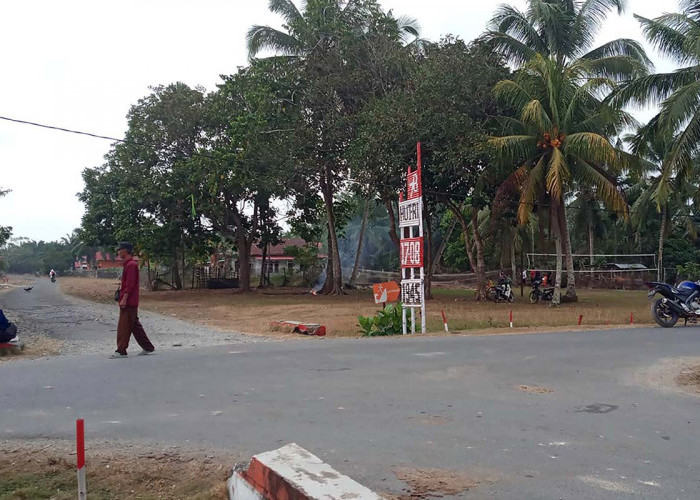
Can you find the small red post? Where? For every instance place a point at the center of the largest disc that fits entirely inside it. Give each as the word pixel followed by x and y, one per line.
pixel 444 320
pixel 631 318
pixel 80 452
pixel 580 318
pixel 511 318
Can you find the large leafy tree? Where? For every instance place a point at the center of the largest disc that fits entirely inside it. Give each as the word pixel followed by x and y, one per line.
pixel 446 104
pixel 561 135
pixel 343 53
pixel 143 192
pixel 676 36
pixel 247 157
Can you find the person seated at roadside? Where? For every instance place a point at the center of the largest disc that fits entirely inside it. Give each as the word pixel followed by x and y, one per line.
pixel 8 331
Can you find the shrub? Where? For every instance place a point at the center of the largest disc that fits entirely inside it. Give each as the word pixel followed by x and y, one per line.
pixel 387 321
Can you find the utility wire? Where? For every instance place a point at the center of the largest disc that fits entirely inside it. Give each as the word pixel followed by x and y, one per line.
pixel 304 174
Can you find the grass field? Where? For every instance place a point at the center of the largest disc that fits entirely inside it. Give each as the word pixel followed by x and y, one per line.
pixel 253 312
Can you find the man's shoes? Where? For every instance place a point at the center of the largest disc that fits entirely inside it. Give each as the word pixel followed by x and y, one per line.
pixel 118 355
pixel 144 352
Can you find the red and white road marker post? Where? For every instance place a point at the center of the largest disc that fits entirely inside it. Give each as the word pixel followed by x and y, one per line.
pixel 511 318
pixel 631 318
pixel 80 452
pixel 580 318
pixel 444 320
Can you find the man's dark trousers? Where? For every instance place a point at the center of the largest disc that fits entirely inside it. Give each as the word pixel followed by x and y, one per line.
pixel 129 323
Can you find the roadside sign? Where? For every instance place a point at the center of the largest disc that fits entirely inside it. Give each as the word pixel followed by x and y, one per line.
pixel 413 185
pixel 388 291
pixel 412 292
pixel 412 252
pixel 411 247
pixel 410 212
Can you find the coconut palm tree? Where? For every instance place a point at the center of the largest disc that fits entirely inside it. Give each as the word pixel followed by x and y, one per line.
pixel 559 138
pixel 562 130
pixel 676 36
pixel 662 192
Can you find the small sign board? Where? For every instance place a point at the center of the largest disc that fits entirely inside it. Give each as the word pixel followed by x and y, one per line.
pixel 413 184
pixel 388 291
pixel 412 252
pixel 412 292
pixel 410 212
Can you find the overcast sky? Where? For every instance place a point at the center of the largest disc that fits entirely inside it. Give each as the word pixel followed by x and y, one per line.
pixel 81 64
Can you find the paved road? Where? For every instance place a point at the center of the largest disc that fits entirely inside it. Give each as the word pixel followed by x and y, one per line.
pixel 367 406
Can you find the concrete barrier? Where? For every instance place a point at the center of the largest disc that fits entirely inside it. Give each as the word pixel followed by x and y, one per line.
pixel 293 473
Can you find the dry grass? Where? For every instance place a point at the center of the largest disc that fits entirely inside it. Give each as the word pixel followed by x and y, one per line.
pixel 28 472
pixel 253 312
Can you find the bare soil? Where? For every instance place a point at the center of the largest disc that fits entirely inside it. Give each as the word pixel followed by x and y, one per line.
pixel 427 483
pixel 689 379
pixel 253 312
pixel 671 374
pixel 40 469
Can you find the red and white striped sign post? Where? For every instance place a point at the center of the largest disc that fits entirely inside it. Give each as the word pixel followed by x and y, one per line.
pixel 80 452
pixel 411 227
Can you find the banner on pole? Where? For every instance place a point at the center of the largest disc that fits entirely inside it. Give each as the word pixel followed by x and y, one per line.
pixel 410 213
pixel 412 252
pixel 412 292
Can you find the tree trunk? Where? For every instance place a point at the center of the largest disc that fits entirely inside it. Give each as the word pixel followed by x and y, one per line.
pixel 468 247
pixel 427 261
pixel 334 279
pixel 566 243
pixel 512 259
pixel 177 284
pixel 263 263
pixel 443 245
pixel 393 233
pixel 361 239
pixel 590 247
pixel 243 261
pixel 662 235
pixel 556 298
pixel 480 263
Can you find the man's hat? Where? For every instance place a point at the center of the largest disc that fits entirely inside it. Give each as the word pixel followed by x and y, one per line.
pixel 126 246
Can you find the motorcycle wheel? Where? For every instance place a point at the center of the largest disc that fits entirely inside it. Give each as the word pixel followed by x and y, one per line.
pixel 534 297
pixel 663 316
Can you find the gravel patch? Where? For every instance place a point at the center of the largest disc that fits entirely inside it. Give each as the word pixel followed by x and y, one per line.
pixel 85 327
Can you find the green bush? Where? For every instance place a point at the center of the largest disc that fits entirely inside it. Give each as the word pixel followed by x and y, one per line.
pixel 387 321
pixel 688 271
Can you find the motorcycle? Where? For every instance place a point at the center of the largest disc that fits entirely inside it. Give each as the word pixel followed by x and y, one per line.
pixel 53 279
pixel 538 293
pixel 681 302
pixel 501 292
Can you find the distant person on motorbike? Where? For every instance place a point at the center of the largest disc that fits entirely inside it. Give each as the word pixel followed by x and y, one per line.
pixel 504 282
pixel 52 274
pixel 8 331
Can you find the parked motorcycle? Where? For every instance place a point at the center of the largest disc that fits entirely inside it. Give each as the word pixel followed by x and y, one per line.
pixel 537 293
pixel 501 292
pixel 676 302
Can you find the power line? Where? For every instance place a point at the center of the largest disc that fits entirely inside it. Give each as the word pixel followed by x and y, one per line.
pixel 61 129
pixel 304 174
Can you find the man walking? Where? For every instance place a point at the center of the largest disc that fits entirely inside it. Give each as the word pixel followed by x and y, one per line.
pixel 129 305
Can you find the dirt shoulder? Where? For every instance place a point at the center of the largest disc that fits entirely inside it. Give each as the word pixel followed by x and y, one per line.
pixel 115 470
pixel 671 374
pixel 253 312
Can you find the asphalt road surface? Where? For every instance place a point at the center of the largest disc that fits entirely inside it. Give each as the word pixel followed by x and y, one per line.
pixel 591 422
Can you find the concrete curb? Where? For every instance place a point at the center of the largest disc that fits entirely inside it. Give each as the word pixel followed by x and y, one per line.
pixel 293 473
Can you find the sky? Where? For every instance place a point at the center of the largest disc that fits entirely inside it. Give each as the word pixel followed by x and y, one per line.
pixel 81 64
